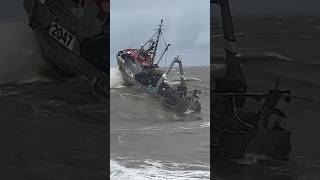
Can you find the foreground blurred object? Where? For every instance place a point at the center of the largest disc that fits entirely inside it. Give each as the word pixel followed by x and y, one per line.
pixel 73 36
pixel 244 122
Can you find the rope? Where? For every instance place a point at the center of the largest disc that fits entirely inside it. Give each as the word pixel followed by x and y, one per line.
pixel 165 61
pixel 163 39
pixel 236 114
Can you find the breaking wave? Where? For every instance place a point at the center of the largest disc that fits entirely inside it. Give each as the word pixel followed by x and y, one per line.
pixel 20 57
pixel 159 170
pixel 256 56
pixel 263 55
pixel 116 80
pixel 251 158
pixel 174 81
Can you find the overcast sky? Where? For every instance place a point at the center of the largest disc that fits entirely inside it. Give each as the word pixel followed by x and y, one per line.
pixel 187 27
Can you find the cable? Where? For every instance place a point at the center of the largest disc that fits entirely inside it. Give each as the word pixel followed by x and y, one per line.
pixel 236 114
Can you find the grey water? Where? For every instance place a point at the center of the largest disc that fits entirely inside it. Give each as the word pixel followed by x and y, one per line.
pixel 49 128
pixel 149 141
pixel 288 47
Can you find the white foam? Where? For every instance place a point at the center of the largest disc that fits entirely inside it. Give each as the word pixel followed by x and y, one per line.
pixel 157 170
pixel 20 57
pixel 262 54
pixel 205 125
pixel 278 56
pixel 35 79
pixel 116 80
pixel 177 81
pixel 251 158
pixel 192 79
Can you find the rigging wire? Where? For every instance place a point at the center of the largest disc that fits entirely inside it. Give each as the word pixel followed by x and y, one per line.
pixel 146 42
pixel 165 61
pixel 165 43
pixel 162 48
pixel 166 46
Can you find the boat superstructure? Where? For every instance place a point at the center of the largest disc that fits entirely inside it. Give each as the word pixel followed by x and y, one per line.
pixel 140 68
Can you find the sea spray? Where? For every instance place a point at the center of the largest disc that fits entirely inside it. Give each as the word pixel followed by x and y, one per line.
pixel 159 170
pixel 116 80
pixel 20 57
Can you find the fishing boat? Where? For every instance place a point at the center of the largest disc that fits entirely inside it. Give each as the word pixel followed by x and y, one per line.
pixel 73 36
pixel 244 122
pixel 140 68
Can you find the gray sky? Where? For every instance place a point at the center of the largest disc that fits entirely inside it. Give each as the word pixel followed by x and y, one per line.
pixel 187 27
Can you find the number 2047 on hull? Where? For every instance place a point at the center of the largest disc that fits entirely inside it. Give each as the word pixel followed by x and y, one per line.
pixel 62 35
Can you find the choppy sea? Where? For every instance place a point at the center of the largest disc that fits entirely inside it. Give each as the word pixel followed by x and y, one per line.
pixel 149 141
pixel 284 46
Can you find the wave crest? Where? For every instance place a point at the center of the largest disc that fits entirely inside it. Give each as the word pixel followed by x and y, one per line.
pixel 116 80
pixel 20 56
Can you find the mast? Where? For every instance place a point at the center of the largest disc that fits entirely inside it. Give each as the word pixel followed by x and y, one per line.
pixel 159 31
pixel 234 71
